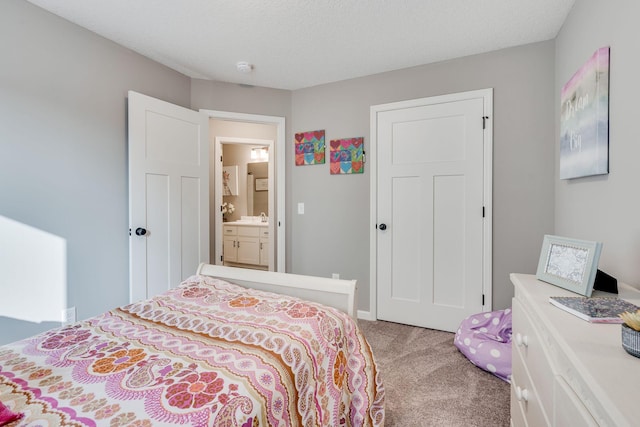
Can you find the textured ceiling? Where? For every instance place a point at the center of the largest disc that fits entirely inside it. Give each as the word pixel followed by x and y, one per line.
pixel 294 44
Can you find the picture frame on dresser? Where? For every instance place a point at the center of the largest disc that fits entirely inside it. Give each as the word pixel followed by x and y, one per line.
pixel 568 263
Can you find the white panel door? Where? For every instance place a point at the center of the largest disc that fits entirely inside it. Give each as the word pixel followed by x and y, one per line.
pixel 430 238
pixel 168 194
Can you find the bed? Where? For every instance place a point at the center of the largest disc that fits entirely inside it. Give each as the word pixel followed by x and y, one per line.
pixel 227 347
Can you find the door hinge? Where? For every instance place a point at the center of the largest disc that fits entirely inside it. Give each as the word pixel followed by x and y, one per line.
pixel 483 299
pixel 220 158
pixel 484 121
pixel 483 212
pixel 221 258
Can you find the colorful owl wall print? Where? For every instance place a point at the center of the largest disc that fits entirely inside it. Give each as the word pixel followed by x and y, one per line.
pixel 310 148
pixel 347 156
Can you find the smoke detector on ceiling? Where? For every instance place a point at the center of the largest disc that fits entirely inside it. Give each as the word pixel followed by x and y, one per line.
pixel 244 67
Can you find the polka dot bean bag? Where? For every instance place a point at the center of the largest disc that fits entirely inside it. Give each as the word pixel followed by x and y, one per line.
pixel 485 339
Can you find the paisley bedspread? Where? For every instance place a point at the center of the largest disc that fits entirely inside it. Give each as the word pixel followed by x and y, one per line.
pixel 207 353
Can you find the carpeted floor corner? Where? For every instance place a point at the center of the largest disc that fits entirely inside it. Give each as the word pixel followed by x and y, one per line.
pixel 428 382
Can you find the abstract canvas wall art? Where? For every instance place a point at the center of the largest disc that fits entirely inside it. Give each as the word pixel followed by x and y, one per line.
pixel 346 156
pixel 310 148
pixel 584 121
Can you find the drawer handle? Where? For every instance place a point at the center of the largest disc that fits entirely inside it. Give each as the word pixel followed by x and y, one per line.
pixel 522 394
pixel 522 340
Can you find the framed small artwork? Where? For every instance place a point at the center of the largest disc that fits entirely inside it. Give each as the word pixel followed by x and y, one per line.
pixel 584 120
pixel 569 263
pixel 230 180
pixel 346 156
pixel 262 184
pixel 310 148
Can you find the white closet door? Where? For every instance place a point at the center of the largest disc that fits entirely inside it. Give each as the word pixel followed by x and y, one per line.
pixel 430 238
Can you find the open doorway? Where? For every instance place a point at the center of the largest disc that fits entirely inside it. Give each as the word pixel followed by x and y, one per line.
pixel 244 189
pixel 250 131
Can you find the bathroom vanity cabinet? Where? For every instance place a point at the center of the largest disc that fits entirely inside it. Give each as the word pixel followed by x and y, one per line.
pixel 246 244
pixel 264 246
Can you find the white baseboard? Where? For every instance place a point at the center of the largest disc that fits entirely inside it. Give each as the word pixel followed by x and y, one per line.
pixel 365 315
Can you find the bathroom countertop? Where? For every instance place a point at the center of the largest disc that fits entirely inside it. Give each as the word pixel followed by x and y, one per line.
pixel 248 223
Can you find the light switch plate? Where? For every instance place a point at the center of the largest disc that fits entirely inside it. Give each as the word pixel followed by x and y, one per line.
pixel 68 316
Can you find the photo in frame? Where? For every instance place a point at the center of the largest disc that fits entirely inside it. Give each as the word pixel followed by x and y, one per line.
pixel 569 263
pixel 262 184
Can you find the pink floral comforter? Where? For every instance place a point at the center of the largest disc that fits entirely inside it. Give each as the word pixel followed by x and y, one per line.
pixel 208 353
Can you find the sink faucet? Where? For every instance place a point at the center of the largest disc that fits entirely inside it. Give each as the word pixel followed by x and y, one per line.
pixel 263 217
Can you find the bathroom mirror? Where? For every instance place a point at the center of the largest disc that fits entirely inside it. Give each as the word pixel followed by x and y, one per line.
pixel 257 188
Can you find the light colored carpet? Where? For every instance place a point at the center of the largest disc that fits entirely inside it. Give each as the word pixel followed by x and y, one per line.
pixel 428 382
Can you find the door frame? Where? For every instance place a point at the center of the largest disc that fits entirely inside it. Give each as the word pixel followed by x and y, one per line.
pixel 219 142
pixel 487 261
pixel 280 211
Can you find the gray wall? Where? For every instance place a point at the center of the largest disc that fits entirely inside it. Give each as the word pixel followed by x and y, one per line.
pixel 212 95
pixel 63 167
pixel 221 96
pixel 605 208
pixel 63 151
pixel 333 234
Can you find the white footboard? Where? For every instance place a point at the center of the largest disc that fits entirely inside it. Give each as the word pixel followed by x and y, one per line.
pixel 336 293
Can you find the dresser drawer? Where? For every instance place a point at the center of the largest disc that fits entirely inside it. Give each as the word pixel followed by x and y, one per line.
pixel 229 230
pixel 264 233
pixel 518 418
pixel 525 399
pixel 569 410
pixel 529 345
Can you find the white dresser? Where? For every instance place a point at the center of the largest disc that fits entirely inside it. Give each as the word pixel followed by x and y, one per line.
pixel 566 371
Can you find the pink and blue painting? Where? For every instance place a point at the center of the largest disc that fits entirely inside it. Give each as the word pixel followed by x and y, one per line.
pixel 346 156
pixel 310 148
pixel 584 120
